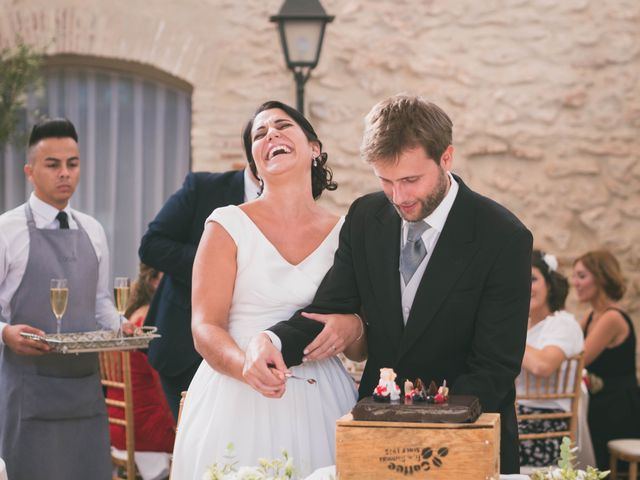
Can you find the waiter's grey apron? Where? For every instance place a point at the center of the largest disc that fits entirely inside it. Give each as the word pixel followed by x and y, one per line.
pixel 53 423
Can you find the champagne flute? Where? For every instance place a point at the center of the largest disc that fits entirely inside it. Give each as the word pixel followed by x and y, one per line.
pixel 121 290
pixel 58 294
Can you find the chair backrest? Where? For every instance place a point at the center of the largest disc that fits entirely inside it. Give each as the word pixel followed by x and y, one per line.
pixel 115 372
pixel 563 383
pixel 183 397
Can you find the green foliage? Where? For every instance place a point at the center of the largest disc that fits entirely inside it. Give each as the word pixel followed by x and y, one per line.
pixel 19 67
pixel 565 469
pixel 566 455
pixel 268 469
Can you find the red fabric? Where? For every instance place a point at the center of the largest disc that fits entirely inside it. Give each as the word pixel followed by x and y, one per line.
pixel 153 421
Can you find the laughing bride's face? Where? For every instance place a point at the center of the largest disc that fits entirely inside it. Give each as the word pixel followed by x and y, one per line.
pixel 279 145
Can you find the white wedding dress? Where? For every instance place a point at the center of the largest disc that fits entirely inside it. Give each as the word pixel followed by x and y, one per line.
pixel 220 410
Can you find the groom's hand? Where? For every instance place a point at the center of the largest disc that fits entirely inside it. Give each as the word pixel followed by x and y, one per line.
pixel 264 368
pixel 339 331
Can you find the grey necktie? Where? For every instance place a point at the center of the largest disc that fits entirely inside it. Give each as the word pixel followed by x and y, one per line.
pixel 414 249
pixel 63 219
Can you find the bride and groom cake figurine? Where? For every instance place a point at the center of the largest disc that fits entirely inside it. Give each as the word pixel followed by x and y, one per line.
pixel 388 390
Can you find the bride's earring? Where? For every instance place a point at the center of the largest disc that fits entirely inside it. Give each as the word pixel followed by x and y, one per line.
pixel 315 162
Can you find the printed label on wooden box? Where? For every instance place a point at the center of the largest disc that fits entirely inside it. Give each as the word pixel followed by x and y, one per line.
pixel 391 450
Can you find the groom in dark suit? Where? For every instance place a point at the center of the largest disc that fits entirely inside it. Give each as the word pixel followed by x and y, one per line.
pixel 169 245
pixel 440 275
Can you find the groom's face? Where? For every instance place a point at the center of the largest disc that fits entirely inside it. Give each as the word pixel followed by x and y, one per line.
pixel 415 184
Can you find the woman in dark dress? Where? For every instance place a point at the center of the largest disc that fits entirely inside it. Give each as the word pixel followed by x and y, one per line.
pixel 609 352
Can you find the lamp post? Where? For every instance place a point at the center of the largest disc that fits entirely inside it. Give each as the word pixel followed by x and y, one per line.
pixel 301 24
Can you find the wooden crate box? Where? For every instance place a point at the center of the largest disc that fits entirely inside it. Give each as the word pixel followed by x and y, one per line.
pixel 389 450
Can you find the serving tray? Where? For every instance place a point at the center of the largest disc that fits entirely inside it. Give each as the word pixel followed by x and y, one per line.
pixel 98 341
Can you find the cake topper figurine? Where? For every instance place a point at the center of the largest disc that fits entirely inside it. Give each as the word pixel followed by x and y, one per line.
pixel 408 387
pixel 433 389
pixel 443 393
pixel 387 390
pixel 414 394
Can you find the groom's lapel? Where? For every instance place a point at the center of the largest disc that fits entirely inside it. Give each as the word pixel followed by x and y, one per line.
pixel 454 250
pixel 382 245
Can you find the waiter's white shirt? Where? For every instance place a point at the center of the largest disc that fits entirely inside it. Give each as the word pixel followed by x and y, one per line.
pixel 251 189
pixel 430 237
pixel 14 253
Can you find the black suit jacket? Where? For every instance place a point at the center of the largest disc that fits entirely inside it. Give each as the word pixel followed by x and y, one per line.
pixel 468 321
pixel 170 245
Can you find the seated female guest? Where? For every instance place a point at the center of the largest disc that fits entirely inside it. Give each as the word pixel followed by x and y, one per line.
pixel 553 336
pixel 609 352
pixel 153 422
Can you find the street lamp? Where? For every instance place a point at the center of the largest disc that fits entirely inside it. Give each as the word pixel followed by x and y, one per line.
pixel 301 24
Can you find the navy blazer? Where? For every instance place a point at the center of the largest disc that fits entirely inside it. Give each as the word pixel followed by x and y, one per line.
pixel 170 245
pixel 468 321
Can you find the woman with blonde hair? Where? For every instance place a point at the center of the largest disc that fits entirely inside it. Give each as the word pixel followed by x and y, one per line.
pixel 609 352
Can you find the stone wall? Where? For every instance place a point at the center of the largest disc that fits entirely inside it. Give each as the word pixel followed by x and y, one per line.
pixel 544 94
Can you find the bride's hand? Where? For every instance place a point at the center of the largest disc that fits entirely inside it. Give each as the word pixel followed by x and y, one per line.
pixel 339 331
pixel 264 368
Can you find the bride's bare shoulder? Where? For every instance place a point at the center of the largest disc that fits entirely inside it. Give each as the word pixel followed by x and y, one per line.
pixel 251 209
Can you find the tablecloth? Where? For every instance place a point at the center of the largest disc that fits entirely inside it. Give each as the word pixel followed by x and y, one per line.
pixel 151 465
pixel 584 455
pixel 328 473
pixel 3 470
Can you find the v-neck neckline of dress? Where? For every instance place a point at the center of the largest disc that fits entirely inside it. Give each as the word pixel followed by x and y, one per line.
pixel 266 239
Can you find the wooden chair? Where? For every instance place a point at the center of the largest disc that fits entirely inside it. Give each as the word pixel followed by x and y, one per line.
pixel 115 372
pixel 628 450
pixel 183 397
pixel 563 383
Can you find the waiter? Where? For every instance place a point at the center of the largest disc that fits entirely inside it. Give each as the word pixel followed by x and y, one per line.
pixel 53 422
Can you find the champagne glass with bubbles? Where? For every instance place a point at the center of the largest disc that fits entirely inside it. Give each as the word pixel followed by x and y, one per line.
pixel 59 295
pixel 121 290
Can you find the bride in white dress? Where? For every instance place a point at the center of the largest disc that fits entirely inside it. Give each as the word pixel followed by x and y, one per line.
pixel 256 265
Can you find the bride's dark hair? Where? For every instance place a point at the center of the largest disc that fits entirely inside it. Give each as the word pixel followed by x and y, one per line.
pixel 321 174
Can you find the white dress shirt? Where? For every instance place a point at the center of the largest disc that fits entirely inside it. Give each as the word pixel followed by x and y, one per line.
pixel 14 253
pixel 430 237
pixel 251 189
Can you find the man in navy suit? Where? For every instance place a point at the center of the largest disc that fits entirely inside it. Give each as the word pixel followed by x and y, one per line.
pixel 440 275
pixel 169 245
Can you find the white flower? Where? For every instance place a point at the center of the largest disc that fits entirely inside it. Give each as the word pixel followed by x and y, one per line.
pixel 268 469
pixel 249 473
pixel 551 261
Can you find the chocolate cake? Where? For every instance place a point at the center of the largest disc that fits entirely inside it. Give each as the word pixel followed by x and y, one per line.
pixel 457 409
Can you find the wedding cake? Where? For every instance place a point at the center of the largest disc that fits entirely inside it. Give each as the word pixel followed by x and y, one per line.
pixel 418 404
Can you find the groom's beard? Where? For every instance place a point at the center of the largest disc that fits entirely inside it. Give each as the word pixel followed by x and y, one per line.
pixel 429 203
